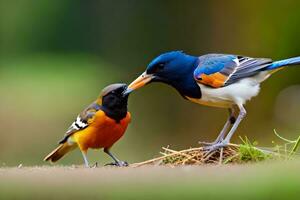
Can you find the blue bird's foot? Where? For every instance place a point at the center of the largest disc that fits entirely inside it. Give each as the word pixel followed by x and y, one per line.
pixel 215 146
pixel 118 164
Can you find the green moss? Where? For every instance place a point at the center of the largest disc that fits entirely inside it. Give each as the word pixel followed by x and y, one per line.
pixel 248 152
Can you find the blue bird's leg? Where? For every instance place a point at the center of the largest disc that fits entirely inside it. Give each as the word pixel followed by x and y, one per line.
pixel 226 141
pixel 229 122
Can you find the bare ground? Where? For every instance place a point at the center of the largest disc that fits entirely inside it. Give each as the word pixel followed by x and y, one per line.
pixel 270 180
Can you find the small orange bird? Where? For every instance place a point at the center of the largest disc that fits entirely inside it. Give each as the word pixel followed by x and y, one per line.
pixel 100 125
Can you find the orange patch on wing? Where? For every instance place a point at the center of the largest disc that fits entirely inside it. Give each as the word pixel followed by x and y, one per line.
pixel 215 80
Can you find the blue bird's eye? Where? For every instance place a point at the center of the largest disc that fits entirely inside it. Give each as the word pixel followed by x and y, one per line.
pixel 160 65
pixel 156 68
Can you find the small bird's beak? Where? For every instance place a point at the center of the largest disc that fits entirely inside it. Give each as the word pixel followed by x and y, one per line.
pixel 142 80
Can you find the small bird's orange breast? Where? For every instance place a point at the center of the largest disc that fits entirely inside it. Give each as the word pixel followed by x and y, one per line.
pixel 103 132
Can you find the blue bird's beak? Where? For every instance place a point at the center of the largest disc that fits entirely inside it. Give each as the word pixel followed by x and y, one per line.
pixel 142 80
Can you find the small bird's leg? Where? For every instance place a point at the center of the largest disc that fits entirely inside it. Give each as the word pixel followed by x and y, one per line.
pixel 86 162
pixel 117 162
pixel 230 121
pixel 226 141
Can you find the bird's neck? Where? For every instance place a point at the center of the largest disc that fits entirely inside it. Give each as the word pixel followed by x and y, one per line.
pixel 185 83
pixel 115 114
pixel 117 110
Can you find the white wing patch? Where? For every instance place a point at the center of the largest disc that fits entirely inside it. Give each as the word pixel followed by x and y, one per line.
pixel 237 62
pixel 78 124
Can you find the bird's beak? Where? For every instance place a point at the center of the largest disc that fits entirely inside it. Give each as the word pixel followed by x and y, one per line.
pixel 142 80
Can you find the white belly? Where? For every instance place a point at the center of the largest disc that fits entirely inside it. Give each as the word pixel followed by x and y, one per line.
pixel 234 94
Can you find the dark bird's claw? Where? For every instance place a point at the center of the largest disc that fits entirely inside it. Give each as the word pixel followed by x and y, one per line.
pixel 118 164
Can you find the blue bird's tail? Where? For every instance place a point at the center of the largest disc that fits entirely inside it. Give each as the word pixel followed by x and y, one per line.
pixel 286 62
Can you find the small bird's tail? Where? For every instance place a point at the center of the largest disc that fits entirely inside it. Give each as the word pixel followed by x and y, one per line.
pixel 59 152
pixel 282 63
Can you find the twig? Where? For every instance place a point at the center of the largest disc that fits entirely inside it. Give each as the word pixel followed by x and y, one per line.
pixel 183 154
pixel 295 147
pixel 221 156
pixel 163 157
pixel 284 139
pixel 150 161
pixel 206 157
pixel 230 158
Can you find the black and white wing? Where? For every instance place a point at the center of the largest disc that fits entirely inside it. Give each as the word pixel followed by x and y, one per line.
pixel 83 120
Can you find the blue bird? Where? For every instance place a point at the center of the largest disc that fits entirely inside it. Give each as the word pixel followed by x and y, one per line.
pixel 219 80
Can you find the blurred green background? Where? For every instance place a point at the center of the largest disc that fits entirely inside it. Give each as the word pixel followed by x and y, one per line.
pixel 57 55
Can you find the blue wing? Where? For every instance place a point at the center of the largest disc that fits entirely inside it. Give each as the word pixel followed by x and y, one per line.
pixel 218 70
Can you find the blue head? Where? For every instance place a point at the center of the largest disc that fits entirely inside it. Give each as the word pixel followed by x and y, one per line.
pixel 174 68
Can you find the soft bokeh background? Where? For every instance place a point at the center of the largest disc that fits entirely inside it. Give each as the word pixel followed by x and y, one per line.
pixel 57 55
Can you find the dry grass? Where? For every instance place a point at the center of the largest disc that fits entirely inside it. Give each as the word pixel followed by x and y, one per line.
pixel 233 153
pixel 198 156
pixel 192 156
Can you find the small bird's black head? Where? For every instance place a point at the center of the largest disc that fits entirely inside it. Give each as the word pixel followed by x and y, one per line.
pixel 174 68
pixel 114 100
